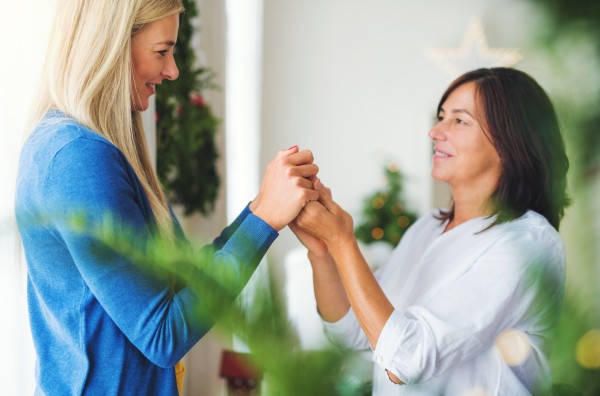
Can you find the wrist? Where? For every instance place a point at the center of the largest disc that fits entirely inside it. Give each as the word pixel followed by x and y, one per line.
pixel 264 216
pixel 254 204
pixel 341 244
pixel 318 258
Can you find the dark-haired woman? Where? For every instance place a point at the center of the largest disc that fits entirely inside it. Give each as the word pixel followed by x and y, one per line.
pixel 466 303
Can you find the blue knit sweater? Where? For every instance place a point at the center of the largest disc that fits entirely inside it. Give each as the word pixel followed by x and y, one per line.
pixel 102 325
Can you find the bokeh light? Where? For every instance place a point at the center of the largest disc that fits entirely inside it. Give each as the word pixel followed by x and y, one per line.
pixel 397 208
pixel 403 221
pixel 393 166
pixel 476 391
pixel 383 181
pixel 385 196
pixel 587 350
pixel 513 346
pixel 395 238
pixel 377 233
pixel 377 203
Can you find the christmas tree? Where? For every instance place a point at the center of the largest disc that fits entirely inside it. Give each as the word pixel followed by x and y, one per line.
pixel 386 218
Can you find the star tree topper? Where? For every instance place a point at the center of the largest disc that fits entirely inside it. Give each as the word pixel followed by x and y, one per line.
pixel 473 53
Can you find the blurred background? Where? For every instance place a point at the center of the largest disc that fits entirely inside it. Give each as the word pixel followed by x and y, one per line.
pixel 357 82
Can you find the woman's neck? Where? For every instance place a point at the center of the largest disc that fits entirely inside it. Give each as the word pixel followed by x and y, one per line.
pixel 470 204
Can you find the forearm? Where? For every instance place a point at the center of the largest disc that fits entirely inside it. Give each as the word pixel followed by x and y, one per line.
pixel 370 305
pixel 332 301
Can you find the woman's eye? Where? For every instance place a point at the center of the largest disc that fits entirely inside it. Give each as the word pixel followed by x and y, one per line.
pixel 440 118
pixel 459 121
pixel 163 53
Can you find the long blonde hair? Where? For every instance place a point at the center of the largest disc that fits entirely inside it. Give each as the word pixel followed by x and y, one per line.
pixel 87 75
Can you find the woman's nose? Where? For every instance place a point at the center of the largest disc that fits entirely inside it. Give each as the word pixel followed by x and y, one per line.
pixel 170 70
pixel 436 133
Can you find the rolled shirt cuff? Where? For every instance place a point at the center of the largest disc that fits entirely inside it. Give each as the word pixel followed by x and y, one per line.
pixel 342 330
pixel 389 343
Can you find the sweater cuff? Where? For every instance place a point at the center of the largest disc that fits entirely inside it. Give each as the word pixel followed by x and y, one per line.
pixel 241 217
pixel 389 342
pixel 252 236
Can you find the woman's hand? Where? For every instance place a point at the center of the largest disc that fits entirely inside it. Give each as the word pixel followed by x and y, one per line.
pixel 286 188
pixel 316 247
pixel 280 154
pixel 325 219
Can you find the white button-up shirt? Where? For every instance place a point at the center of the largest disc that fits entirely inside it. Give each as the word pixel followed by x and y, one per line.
pixel 453 294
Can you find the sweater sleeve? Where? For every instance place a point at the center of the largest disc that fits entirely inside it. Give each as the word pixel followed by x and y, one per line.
pixel 92 177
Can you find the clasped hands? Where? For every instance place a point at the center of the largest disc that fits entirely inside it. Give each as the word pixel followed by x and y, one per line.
pixel 291 194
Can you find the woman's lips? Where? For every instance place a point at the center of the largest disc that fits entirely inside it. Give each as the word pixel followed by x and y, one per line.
pixel 151 88
pixel 440 154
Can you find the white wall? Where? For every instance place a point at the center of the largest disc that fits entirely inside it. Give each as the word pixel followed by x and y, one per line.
pixel 24 28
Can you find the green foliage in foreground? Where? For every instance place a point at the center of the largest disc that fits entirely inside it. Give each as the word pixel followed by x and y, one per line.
pixel 263 325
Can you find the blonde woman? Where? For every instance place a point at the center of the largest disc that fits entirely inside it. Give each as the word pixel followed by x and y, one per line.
pixel 104 326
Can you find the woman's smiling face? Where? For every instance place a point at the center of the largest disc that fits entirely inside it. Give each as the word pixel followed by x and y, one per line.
pixel 152 59
pixel 464 153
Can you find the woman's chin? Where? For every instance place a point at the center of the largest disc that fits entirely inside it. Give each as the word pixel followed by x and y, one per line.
pixel 439 176
pixel 141 105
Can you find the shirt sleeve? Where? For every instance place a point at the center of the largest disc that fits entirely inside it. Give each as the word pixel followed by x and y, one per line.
pixel 92 176
pixel 519 280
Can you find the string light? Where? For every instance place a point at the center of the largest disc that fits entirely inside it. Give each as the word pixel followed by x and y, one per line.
pixel 383 181
pixel 513 346
pixel 395 238
pixel 377 203
pixel 587 350
pixel 377 233
pixel 397 208
pixel 476 391
pixel 393 166
pixel 403 221
pixel 474 40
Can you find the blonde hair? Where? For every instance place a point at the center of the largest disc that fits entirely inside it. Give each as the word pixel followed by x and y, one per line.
pixel 87 75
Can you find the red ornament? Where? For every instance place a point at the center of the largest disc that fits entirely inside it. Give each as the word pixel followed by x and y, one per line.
pixel 180 111
pixel 197 100
pixel 156 116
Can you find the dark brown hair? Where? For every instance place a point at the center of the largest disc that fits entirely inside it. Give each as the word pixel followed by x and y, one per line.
pixel 517 116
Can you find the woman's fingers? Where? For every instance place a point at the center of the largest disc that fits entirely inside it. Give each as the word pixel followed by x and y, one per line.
pixel 286 187
pixel 304 183
pixel 285 153
pixel 310 195
pixel 308 171
pixel 301 158
pixel 324 196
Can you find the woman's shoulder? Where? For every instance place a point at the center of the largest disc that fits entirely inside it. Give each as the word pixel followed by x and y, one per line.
pixel 530 243
pixel 532 228
pixel 61 155
pixel 57 130
pixel 58 141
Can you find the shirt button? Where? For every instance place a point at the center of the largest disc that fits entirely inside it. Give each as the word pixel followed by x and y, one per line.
pixel 379 359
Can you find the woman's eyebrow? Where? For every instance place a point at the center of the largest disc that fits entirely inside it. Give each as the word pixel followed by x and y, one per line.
pixel 463 111
pixel 169 43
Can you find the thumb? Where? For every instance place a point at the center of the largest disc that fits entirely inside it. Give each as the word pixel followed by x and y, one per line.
pixel 324 195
